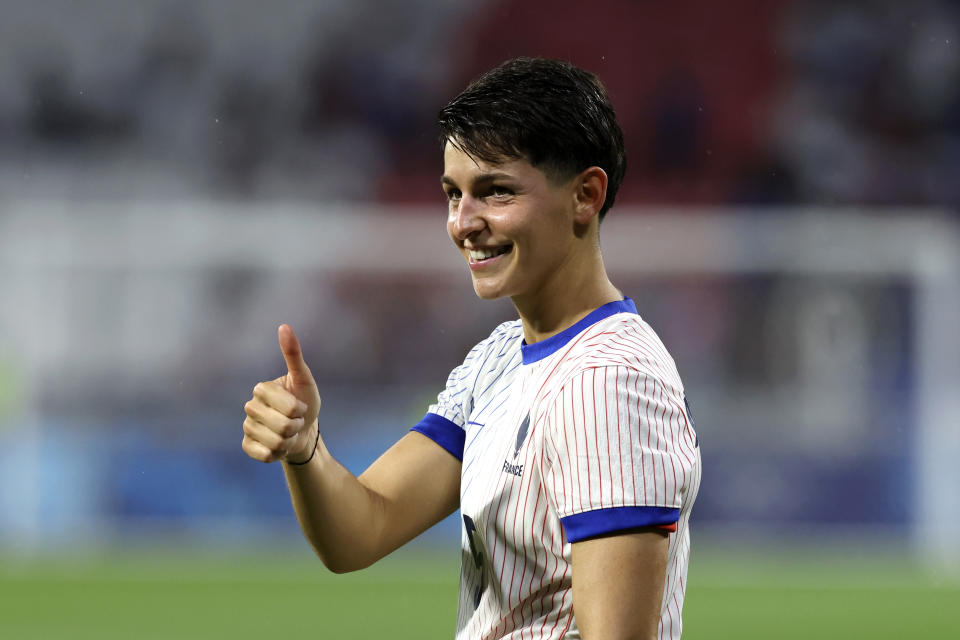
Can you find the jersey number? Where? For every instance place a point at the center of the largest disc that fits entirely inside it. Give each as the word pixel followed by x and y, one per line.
pixel 477 553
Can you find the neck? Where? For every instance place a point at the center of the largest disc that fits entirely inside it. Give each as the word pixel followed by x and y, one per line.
pixel 566 299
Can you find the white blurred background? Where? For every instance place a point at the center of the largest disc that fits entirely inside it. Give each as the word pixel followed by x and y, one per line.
pixel 178 178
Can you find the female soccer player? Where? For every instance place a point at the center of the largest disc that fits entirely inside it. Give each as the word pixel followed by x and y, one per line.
pixel 564 438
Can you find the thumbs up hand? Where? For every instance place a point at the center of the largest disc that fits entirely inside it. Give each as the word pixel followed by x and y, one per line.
pixel 298 381
pixel 281 421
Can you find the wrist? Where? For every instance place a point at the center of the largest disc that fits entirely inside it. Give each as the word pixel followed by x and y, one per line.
pixel 307 454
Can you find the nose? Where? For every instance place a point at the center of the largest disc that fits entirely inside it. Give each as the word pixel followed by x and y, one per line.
pixel 465 218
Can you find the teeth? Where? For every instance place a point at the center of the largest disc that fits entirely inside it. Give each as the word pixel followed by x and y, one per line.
pixel 486 254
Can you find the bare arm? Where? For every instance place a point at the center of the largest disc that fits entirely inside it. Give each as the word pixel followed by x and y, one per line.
pixel 618 585
pixel 353 522
pixel 350 522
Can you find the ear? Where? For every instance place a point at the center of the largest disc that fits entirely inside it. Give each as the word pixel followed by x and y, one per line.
pixel 590 192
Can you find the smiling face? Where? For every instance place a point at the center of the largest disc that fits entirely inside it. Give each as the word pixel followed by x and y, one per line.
pixel 513 225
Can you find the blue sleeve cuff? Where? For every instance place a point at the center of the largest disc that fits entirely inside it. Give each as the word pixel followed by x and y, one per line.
pixel 444 432
pixel 589 524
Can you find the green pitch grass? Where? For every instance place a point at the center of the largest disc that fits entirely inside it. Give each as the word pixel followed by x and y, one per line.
pixel 414 596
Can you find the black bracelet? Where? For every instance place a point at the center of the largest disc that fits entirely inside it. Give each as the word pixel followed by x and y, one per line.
pixel 315 443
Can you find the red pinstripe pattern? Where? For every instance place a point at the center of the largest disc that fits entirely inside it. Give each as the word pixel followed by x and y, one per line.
pixel 653 461
pixel 596 439
pixel 567 469
pixel 536 555
pixel 579 429
pixel 563 598
pixel 620 438
pixel 643 463
pixel 543 585
pixel 523 524
pixel 607 428
pixel 662 435
pixel 574 456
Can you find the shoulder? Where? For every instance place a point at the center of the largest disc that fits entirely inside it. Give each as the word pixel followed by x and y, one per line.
pixel 624 342
pixel 486 362
pixel 503 338
pixel 491 354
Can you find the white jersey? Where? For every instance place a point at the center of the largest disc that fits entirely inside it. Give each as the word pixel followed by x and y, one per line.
pixel 579 435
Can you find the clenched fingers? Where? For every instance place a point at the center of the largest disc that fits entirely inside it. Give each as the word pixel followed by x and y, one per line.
pixel 257 450
pixel 264 444
pixel 271 418
pixel 274 395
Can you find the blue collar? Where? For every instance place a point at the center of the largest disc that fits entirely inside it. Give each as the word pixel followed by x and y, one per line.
pixel 540 350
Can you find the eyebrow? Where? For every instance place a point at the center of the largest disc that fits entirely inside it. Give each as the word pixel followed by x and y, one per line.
pixel 481 178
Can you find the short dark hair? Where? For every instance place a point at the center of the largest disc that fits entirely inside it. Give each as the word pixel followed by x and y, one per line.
pixel 556 116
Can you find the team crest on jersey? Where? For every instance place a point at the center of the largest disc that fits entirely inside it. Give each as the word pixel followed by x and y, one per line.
pixel 521 435
pixel 517 469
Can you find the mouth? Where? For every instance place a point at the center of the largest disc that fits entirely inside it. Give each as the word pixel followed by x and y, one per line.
pixel 488 255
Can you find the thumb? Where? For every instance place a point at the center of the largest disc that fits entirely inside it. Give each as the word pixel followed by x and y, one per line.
pixel 298 372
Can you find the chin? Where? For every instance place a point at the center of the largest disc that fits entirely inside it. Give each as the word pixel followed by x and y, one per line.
pixel 486 292
pixel 487 295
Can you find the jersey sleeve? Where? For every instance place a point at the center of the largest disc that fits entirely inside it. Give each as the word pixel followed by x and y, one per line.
pixel 445 420
pixel 620 449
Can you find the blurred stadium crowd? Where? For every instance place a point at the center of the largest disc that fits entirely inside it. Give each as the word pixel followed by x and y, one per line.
pixel 123 124
pixel 741 102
